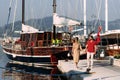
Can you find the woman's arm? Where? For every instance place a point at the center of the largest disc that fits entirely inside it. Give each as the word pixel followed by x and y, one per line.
pixel 73 48
pixel 86 47
pixel 80 47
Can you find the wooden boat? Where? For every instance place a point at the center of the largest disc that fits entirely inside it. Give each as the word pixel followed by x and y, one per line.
pixel 39 49
pixel 36 46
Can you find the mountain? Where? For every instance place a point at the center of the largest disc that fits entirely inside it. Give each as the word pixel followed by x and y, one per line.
pixel 45 24
pixel 42 24
pixel 114 24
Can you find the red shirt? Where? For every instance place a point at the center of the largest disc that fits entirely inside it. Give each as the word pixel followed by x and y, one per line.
pixel 91 44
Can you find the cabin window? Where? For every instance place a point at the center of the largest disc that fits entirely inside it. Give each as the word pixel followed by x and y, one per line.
pixel 40 36
pixel 47 38
pixel 33 37
pixel 59 36
pixel 27 37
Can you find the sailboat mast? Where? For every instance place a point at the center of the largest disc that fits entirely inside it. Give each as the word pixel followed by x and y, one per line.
pixel 54 11
pixel 106 15
pixel 54 6
pixel 84 18
pixel 23 11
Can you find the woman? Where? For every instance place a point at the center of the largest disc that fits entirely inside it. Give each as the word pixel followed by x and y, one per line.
pixel 76 51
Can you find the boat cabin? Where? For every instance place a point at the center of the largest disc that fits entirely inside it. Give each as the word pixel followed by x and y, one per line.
pixel 39 39
pixel 43 39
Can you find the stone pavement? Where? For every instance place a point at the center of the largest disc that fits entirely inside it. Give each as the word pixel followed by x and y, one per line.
pixel 102 70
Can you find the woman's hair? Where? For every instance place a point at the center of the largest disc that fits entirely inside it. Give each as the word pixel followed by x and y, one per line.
pixel 73 40
pixel 76 38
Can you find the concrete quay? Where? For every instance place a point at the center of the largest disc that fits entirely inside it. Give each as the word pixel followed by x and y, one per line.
pixel 102 70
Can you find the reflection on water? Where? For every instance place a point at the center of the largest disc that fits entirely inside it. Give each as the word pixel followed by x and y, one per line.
pixel 22 76
pixel 21 72
pixel 10 71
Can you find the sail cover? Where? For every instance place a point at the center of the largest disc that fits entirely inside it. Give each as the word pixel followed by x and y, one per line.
pixel 63 21
pixel 28 29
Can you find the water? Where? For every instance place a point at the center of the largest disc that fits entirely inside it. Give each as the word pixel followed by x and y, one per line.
pixel 10 71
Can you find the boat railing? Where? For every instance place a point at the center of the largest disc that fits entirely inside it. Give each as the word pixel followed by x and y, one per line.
pixel 7 45
pixel 101 47
pixel 113 46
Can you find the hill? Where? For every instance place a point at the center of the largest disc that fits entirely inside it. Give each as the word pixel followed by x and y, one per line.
pixel 46 25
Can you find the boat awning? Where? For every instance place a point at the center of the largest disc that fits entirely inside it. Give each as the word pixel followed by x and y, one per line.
pixel 64 21
pixel 29 29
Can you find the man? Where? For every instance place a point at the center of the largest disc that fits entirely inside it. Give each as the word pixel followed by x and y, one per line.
pixel 91 48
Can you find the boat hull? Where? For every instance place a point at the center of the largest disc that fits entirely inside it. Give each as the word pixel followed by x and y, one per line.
pixel 48 55
pixel 29 59
pixel 113 52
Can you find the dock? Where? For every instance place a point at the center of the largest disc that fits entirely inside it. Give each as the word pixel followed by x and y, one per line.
pixel 102 70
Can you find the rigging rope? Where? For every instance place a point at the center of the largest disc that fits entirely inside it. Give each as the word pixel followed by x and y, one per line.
pixel 98 8
pixel 5 31
pixel 13 23
pixel 14 16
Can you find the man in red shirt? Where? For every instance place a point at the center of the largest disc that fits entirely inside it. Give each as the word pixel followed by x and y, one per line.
pixel 91 48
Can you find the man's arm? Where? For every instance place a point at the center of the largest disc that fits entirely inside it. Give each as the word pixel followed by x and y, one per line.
pixel 98 35
pixel 95 49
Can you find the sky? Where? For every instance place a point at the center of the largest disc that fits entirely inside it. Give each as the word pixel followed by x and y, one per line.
pixel 69 8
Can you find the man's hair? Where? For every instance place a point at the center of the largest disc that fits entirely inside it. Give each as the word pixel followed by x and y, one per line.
pixel 92 37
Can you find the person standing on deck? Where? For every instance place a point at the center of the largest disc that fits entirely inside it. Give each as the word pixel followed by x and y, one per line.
pixel 76 48
pixel 91 48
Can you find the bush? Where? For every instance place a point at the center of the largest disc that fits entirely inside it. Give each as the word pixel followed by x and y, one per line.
pixel 117 55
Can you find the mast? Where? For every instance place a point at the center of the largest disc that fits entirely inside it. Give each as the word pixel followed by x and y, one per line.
pixel 54 6
pixel 23 11
pixel 54 27
pixel 84 18
pixel 106 15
